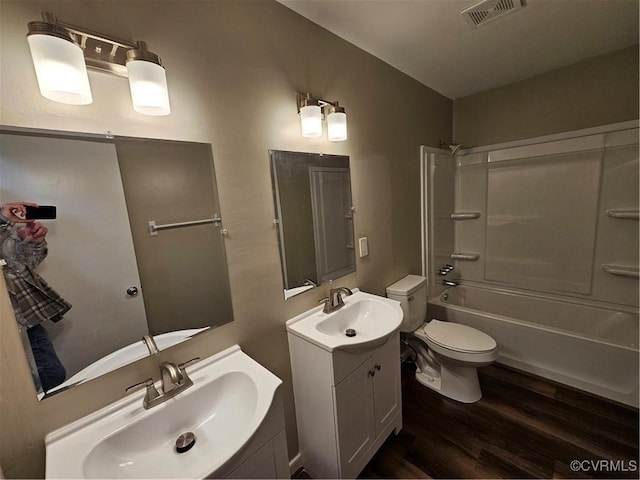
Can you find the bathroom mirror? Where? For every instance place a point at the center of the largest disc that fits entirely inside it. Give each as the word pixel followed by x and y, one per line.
pixel 314 218
pixel 136 248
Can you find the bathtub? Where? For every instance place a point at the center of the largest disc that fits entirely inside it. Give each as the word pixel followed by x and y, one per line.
pixel 588 347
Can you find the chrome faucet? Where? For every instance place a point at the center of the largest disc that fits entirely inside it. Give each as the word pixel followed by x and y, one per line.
pixel 450 283
pixel 174 380
pixel 334 301
pixel 151 344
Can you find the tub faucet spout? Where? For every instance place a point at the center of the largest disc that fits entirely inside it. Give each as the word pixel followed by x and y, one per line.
pixel 450 283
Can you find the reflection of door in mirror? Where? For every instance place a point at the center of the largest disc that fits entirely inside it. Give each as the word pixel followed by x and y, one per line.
pixel 332 221
pixel 90 244
pixel 183 269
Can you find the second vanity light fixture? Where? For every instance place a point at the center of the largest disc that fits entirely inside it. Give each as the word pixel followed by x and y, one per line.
pixel 62 52
pixel 313 110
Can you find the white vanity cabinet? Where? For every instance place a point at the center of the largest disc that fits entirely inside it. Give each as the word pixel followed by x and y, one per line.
pixel 347 404
pixel 265 456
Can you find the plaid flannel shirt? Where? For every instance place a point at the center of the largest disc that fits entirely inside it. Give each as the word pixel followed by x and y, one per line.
pixel 33 300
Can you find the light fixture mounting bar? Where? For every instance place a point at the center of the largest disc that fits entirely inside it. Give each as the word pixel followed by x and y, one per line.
pixel 303 99
pixel 101 52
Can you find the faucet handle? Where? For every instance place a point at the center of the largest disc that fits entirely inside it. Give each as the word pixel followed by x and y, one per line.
pixel 152 391
pixel 144 383
pixel 183 365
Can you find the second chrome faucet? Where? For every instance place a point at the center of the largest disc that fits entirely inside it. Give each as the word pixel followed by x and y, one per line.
pixel 334 301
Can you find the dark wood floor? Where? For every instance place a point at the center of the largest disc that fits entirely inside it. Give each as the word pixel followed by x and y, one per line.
pixel 523 427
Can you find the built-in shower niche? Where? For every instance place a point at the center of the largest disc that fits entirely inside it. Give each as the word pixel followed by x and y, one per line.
pixel 556 217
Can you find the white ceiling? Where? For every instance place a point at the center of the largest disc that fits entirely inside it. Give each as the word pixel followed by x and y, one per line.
pixel 431 42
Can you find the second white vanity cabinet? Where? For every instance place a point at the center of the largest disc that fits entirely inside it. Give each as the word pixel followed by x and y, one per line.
pixel 347 404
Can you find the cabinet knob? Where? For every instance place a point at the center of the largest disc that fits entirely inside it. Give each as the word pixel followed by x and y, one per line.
pixel 372 373
pixel 377 367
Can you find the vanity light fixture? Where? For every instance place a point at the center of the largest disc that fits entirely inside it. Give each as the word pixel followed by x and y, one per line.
pixel 313 110
pixel 62 52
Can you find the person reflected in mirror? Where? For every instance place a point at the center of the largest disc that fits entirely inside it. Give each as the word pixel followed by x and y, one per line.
pixel 23 247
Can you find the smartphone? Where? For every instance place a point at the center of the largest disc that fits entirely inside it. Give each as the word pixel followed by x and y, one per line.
pixel 43 212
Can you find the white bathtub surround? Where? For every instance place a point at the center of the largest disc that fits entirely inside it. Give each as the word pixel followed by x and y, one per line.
pixel 543 236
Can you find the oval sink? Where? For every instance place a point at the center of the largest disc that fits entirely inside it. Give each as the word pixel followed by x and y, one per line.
pixel 366 321
pixel 228 402
pixel 223 405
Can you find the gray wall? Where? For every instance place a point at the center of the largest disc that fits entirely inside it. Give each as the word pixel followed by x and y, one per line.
pixel 598 91
pixel 233 68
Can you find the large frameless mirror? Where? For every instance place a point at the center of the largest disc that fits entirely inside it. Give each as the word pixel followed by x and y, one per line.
pixel 136 247
pixel 314 218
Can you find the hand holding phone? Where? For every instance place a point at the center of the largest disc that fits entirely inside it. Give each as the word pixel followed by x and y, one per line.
pixel 41 212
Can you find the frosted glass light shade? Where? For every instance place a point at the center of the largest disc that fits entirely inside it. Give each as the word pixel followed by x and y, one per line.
pixel 337 126
pixel 148 84
pixel 60 70
pixel 311 121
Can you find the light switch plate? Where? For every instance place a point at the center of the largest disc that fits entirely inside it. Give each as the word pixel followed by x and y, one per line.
pixel 363 243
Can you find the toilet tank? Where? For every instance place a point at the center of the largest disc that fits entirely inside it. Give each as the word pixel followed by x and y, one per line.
pixel 411 292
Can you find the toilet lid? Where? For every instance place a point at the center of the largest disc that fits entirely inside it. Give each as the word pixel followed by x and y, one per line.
pixel 458 337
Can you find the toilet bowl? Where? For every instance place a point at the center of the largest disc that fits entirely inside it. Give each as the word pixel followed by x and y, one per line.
pixel 447 354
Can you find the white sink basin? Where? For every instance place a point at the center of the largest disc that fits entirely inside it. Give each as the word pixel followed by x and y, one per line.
pixel 370 319
pixel 230 398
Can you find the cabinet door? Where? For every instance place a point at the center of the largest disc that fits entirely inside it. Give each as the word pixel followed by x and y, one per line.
pixel 354 415
pixel 387 399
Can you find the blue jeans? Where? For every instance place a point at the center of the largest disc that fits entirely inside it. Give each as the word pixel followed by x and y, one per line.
pixel 50 369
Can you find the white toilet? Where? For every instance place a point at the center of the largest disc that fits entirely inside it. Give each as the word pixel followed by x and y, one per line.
pixel 448 353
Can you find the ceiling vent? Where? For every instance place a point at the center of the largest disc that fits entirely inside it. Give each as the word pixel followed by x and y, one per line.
pixel 487 11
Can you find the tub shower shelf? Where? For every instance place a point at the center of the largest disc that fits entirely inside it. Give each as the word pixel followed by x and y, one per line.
pixel 624 214
pixel 465 215
pixel 469 257
pixel 622 271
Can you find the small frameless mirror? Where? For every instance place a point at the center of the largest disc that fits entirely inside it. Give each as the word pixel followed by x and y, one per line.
pixel 314 218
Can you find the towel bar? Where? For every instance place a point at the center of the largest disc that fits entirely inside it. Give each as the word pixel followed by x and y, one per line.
pixel 154 229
